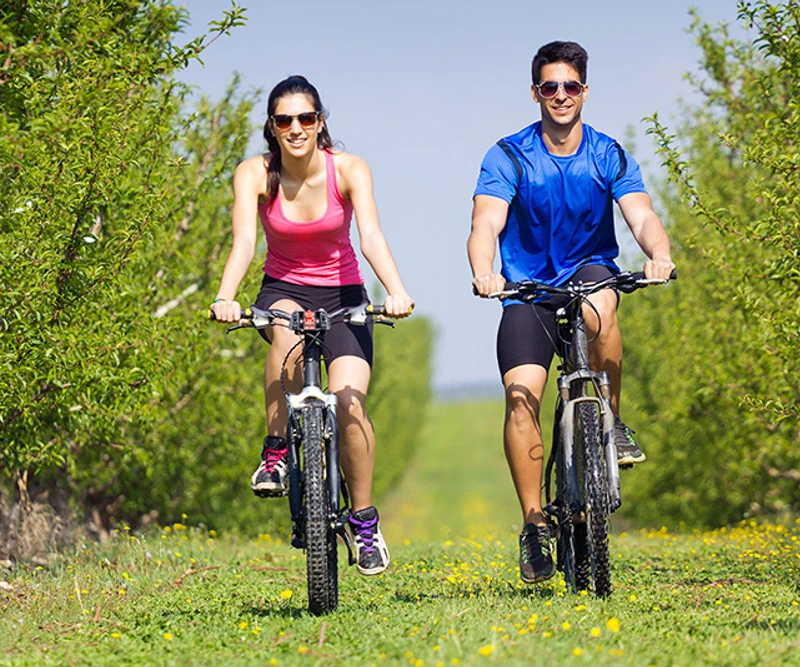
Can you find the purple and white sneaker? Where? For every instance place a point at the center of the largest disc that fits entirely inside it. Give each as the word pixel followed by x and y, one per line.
pixel 269 479
pixel 372 555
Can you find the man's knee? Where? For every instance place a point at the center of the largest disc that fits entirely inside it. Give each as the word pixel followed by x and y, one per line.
pixel 522 406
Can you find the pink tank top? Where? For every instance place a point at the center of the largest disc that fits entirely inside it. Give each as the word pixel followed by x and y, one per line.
pixel 312 253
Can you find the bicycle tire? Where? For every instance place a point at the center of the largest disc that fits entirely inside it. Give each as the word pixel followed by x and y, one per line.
pixel 565 545
pixel 321 556
pixel 583 429
pixel 595 489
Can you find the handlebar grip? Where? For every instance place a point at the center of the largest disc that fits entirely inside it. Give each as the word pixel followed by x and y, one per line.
pixel 381 310
pixel 246 313
pixel 506 288
pixel 639 275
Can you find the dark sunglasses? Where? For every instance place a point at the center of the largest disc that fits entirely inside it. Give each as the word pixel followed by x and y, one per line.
pixel 548 89
pixel 284 121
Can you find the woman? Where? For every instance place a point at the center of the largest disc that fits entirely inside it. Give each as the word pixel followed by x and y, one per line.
pixel 305 194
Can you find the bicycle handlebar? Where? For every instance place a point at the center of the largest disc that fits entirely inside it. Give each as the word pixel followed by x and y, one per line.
pixel 298 320
pixel 626 281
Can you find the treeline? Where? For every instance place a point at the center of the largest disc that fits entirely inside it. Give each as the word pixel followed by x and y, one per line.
pixel 117 398
pixel 712 362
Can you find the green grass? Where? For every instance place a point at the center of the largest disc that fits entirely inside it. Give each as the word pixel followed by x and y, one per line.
pixel 186 596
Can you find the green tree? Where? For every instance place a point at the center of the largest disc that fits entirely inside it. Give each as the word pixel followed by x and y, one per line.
pixel 712 363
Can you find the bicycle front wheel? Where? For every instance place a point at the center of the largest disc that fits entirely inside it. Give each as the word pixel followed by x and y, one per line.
pixel 595 490
pixel 321 556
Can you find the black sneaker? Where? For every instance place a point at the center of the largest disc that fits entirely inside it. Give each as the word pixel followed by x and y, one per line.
pixel 372 555
pixel 535 554
pixel 628 452
pixel 269 479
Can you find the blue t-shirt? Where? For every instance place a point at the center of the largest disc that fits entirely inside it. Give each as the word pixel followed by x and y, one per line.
pixel 560 215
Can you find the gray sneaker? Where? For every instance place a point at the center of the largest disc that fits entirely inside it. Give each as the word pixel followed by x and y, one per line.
pixel 535 554
pixel 372 554
pixel 628 452
pixel 269 479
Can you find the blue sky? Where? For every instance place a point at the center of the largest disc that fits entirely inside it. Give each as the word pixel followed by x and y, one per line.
pixel 421 89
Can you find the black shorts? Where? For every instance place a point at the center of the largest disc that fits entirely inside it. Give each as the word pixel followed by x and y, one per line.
pixel 342 339
pixel 527 331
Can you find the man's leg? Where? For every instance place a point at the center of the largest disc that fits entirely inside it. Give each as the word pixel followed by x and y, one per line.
pixel 605 354
pixel 522 437
pixel 605 351
pixel 524 387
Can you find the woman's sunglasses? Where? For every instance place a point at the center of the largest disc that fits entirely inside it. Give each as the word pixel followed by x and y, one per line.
pixel 284 121
pixel 548 89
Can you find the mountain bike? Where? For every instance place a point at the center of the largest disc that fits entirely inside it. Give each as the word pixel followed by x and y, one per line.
pixel 319 500
pixel 585 489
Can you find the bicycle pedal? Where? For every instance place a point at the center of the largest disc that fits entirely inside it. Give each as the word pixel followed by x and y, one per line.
pixel 261 493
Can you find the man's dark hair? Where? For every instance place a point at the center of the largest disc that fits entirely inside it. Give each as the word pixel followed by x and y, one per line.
pixel 571 53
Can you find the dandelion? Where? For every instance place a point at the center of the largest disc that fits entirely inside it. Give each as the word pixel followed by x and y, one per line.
pixel 116 635
pixel 577 652
pixel 595 632
pixel 566 625
pixel 613 624
pixel 302 650
pixel 168 636
pixel 486 650
pixel 243 625
pixel 286 594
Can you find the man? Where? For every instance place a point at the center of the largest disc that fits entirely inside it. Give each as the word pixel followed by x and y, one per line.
pixel 547 194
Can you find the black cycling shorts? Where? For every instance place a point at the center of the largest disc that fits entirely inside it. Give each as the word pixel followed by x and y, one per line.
pixel 527 331
pixel 342 339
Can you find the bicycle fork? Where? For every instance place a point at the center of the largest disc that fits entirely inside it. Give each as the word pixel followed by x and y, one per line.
pixel 336 486
pixel 566 428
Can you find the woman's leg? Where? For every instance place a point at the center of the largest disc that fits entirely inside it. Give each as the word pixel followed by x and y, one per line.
pixel 348 378
pixel 282 342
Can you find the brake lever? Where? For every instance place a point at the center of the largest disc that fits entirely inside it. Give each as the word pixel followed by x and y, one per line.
pixel 238 326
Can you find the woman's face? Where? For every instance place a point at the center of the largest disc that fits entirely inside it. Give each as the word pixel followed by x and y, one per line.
pixel 296 125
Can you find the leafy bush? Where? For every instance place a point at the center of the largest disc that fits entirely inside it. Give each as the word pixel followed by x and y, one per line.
pixel 711 363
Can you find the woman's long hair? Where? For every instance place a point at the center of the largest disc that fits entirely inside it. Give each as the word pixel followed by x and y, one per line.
pixel 293 85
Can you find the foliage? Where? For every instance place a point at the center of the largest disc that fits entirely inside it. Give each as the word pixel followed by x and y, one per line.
pixel 90 178
pixel 711 362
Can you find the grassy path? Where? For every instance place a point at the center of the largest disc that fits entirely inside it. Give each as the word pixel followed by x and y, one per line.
pixel 184 596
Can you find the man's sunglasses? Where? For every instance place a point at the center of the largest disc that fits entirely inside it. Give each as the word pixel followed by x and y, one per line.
pixel 284 121
pixel 549 89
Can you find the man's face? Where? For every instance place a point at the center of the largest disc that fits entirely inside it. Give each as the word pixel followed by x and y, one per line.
pixel 561 109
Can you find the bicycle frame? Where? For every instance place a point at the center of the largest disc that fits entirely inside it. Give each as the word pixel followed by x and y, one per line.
pixel 313 329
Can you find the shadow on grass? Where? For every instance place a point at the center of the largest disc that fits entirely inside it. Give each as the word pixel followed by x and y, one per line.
pixel 497 593
pixel 284 611
pixel 789 626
